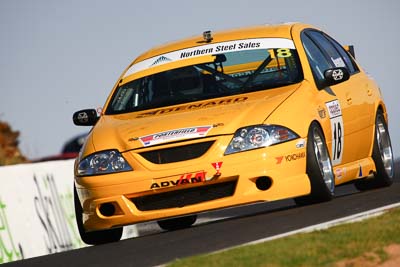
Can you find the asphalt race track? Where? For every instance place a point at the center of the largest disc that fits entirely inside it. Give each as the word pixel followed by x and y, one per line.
pixel 219 230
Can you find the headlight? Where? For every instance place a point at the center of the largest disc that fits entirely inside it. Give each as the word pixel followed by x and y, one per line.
pixel 103 162
pixel 257 136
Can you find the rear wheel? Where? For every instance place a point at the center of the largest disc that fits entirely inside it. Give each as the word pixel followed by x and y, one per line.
pixel 177 223
pixel 382 155
pixel 96 237
pixel 319 168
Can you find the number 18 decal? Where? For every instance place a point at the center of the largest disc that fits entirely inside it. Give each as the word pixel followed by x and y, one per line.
pixel 335 116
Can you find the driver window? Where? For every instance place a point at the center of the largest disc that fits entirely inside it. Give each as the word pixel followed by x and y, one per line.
pixel 349 62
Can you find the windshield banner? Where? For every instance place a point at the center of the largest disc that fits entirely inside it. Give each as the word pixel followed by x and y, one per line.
pixel 210 49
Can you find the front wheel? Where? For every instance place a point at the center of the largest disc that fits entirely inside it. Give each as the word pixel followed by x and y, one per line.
pixel 96 237
pixel 177 223
pixel 319 168
pixel 382 155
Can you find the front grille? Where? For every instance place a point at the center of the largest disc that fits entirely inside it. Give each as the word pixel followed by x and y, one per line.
pixel 175 154
pixel 185 197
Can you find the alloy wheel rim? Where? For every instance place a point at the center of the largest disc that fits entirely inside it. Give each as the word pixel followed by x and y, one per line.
pixel 324 163
pixel 385 148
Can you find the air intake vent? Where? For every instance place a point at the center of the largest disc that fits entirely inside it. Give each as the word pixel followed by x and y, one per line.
pixel 185 197
pixel 176 154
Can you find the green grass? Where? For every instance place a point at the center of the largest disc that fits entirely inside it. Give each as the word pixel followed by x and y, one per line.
pixel 320 248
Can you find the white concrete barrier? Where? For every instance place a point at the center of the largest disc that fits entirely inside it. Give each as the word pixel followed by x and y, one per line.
pixel 37 214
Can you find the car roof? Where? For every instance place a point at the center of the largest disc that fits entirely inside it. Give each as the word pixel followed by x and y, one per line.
pixel 268 30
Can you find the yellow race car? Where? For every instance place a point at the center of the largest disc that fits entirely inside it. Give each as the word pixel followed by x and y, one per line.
pixel 225 119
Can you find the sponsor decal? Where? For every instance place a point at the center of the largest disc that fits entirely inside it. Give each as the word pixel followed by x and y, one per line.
pixel 160 60
pixel 207 104
pixel 291 157
pixel 321 112
pixel 360 172
pixel 217 166
pixel 226 47
pixel 301 143
pixel 83 117
pixel 54 214
pixel 279 160
pixel 337 128
pixel 187 178
pixel 196 52
pixel 99 111
pixel 173 135
pixel 295 156
pixel 338 62
pixel 334 109
pixel 337 75
pixel 9 249
pixel 339 173
pixel 211 49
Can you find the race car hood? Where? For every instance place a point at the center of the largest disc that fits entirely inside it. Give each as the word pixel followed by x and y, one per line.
pixel 205 118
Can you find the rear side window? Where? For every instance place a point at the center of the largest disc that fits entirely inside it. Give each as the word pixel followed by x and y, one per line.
pixel 334 51
pixel 333 54
pixel 318 62
pixel 351 66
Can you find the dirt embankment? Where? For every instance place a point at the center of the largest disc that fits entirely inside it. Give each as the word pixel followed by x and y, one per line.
pixel 9 151
pixel 371 259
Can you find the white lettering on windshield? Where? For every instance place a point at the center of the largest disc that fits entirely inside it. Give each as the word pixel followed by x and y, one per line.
pixel 209 49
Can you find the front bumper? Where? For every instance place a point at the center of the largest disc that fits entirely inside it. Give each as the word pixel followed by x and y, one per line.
pixel 212 181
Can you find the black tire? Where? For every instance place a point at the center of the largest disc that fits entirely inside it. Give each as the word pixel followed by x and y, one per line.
pixel 382 154
pixel 177 223
pixel 319 168
pixel 96 237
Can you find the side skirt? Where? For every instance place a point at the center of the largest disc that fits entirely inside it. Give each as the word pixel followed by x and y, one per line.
pixel 355 170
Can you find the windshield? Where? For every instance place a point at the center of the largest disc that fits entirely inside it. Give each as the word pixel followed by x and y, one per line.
pixel 229 73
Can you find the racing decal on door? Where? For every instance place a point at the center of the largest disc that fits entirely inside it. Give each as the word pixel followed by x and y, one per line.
pixel 337 127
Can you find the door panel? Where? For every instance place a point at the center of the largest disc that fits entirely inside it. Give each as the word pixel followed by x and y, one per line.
pixel 350 114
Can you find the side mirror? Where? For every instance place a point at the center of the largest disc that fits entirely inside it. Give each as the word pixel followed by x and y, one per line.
pixel 336 75
pixel 85 117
